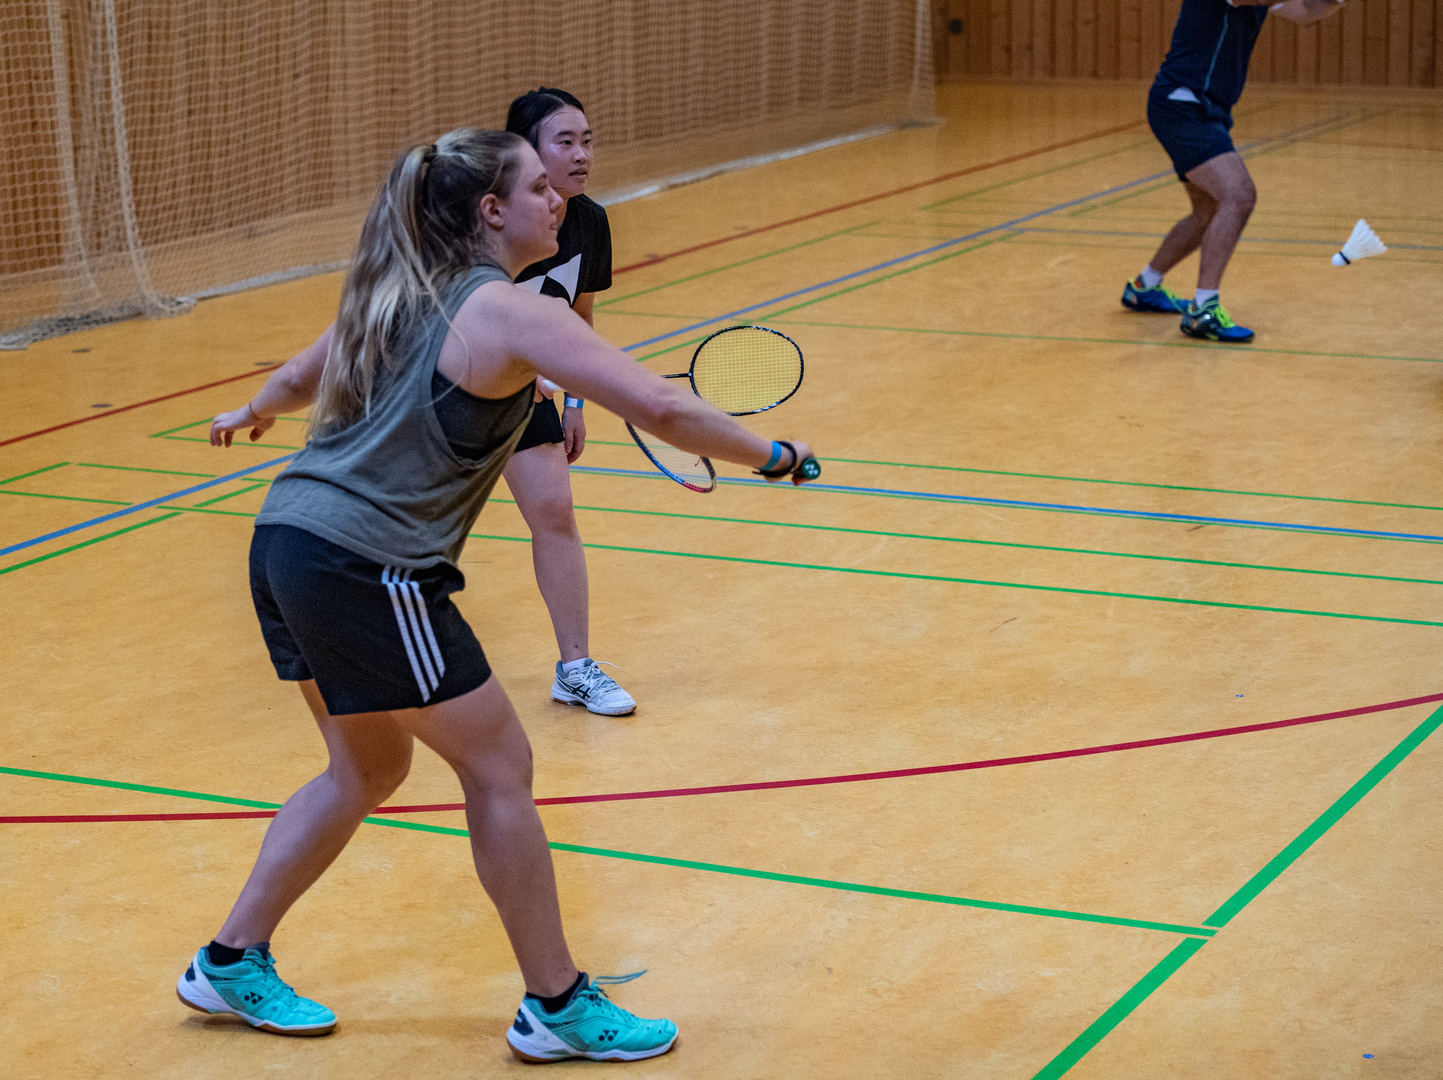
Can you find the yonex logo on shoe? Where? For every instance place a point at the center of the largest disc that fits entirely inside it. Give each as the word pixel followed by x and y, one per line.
pixel 250 997
pixel 607 1036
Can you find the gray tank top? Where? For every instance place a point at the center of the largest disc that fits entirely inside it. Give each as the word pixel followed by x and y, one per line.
pixel 389 487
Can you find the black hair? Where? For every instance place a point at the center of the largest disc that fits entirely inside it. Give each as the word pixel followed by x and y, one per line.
pixel 526 112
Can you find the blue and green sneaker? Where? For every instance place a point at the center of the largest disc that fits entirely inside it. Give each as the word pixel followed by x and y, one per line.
pixel 1160 298
pixel 590 1026
pixel 251 989
pixel 1211 322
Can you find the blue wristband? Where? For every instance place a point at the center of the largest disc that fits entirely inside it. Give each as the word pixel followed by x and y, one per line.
pixel 573 402
pixel 772 461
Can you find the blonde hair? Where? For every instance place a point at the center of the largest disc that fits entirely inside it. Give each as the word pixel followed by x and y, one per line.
pixel 422 231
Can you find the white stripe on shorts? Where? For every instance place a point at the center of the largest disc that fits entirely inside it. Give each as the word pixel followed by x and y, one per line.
pixel 390 577
pixel 415 607
pixel 426 625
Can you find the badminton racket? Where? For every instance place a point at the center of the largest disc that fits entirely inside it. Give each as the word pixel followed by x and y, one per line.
pixel 741 370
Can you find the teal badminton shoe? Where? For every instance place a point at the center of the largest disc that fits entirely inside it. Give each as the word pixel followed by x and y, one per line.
pixel 591 1026
pixel 251 989
pixel 1160 299
pixel 1211 322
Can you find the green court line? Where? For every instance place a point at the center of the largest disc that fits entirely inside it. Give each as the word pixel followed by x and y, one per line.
pixel 1209 346
pixel 1201 932
pixel 148 789
pixel 183 427
pixel 1035 175
pixel 85 543
pixel 222 498
pixel 206 510
pixel 66 498
pixel 995 584
pixel 35 472
pixel 732 266
pixel 1003 543
pixel 1128 483
pixel 238 442
pixel 876 890
pixel 133 468
pixel 1246 155
pixel 1119 1011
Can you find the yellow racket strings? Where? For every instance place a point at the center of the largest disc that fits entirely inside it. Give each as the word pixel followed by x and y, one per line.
pixel 747 369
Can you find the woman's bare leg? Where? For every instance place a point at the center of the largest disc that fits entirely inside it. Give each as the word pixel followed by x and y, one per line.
pixel 370 756
pixel 540 480
pixel 480 737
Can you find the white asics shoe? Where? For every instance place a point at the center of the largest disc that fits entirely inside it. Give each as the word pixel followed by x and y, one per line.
pixel 590 686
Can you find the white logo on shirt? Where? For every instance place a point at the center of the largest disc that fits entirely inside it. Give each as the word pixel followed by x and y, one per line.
pixel 565 275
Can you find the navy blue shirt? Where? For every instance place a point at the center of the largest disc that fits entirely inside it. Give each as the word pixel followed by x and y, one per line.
pixel 1210 49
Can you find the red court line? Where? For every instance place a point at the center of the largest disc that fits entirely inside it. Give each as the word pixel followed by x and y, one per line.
pixel 768 785
pixel 882 195
pixel 661 258
pixel 137 405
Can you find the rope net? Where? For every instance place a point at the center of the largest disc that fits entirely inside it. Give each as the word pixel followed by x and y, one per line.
pixel 155 152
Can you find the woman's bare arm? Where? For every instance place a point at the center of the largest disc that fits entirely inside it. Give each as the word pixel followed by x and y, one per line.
pixel 517 334
pixel 291 387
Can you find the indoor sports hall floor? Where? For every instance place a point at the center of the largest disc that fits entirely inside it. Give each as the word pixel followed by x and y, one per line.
pixel 1051 538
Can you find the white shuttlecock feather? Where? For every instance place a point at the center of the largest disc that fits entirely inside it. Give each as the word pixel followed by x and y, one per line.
pixel 1360 245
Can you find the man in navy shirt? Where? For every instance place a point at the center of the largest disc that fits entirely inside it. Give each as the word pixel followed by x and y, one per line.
pixel 1190 111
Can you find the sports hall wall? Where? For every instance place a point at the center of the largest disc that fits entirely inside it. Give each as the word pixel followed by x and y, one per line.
pixel 152 151
pixel 1369 43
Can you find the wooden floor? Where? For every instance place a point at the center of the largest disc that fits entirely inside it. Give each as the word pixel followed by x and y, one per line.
pixel 1048 530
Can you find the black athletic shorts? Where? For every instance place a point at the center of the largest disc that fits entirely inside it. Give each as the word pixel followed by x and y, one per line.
pixel 1191 132
pixel 544 427
pixel 375 638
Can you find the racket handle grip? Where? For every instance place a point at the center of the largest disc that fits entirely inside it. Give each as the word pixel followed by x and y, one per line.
pixel 809 469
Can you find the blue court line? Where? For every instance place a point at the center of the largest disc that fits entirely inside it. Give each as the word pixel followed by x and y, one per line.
pixel 1107 511
pixel 754 307
pixel 1245 239
pixel 143 506
pixel 963 239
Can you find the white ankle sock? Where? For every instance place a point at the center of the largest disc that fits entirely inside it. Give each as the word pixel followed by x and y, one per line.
pixel 1149 277
pixel 1202 296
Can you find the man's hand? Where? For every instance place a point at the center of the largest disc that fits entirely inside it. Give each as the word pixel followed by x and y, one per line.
pixel 1306 12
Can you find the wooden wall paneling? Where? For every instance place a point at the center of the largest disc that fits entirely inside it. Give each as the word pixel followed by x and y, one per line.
pixel 1128 43
pixel 1375 43
pixel 1150 41
pixel 1425 18
pixel 1400 28
pixel 1260 67
pixel 1085 38
pixel 979 37
pixel 1043 18
pixel 1170 9
pixel 1438 50
pixel 1307 62
pixel 1021 48
pixel 1064 57
pixel 1285 50
pixel 1000 19
pixel 1107 39
pixel 1330 49
pixel 1355 20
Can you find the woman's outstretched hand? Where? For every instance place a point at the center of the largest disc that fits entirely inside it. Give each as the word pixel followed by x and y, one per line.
pixel 224 426
pixel 800 453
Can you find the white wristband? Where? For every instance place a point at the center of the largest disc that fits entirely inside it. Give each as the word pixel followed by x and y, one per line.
pixel 574 402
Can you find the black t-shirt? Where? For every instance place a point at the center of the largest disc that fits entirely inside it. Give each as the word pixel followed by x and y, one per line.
pixel 1210 49
pixel 583 262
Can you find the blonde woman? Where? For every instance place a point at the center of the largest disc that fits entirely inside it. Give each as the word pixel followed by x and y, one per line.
pixel 419 393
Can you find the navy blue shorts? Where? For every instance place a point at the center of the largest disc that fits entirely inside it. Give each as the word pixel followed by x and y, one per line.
pixel 543 427
pixel 375 638
pixel 1190 131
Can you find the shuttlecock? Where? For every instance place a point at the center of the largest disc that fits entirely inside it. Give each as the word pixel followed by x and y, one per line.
pixel 1360 245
